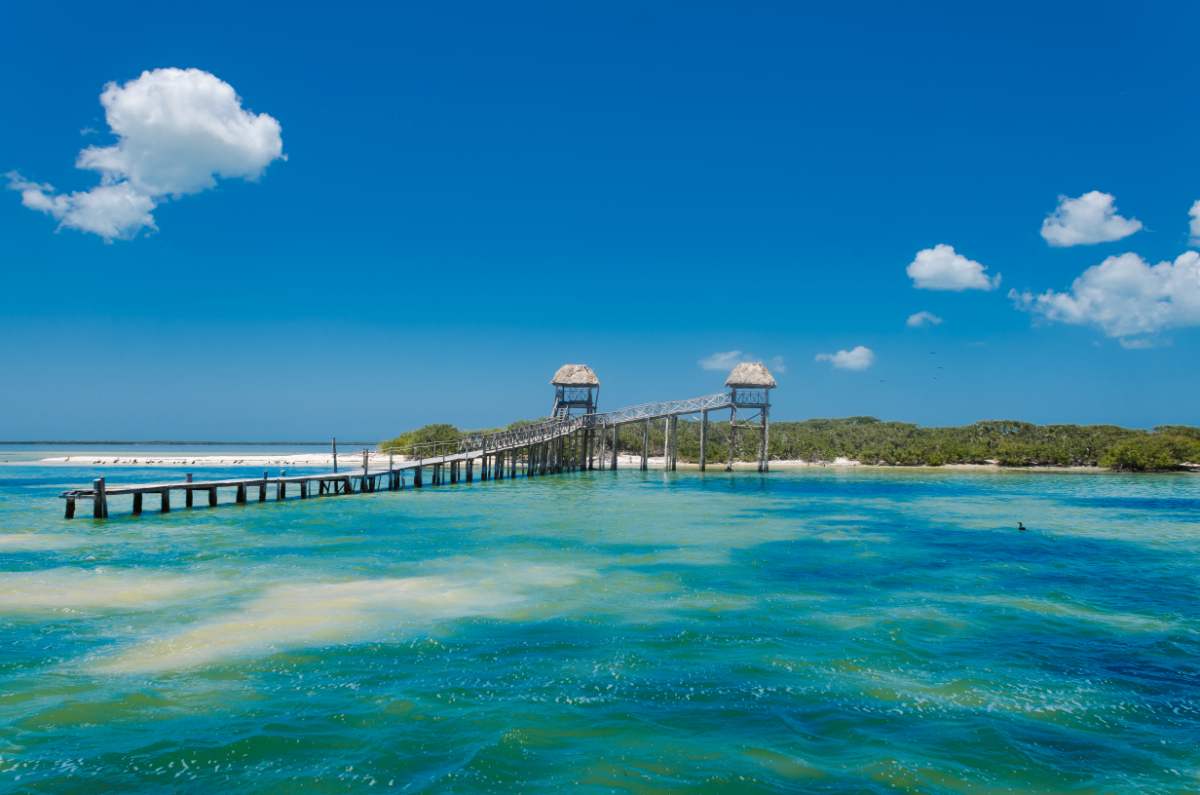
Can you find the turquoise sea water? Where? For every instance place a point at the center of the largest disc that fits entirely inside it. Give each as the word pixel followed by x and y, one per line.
pixel 856 631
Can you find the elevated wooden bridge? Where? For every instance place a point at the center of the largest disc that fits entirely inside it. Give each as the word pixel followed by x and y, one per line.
pixel 576 437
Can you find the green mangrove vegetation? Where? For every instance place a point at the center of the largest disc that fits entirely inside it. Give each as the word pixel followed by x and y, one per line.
pixel 873 441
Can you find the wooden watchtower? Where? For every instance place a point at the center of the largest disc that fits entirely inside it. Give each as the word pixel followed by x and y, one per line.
pixel 750 385
pixel 576 390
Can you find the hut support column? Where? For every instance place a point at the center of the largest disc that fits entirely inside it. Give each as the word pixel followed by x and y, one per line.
pixel 732 434
pixel 763 449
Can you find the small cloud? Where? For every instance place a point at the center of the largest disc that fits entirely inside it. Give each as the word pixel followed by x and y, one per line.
pixel 1194 214
pixel 922 319
pixel 942 268
pixel 859 357
pixel 1125 297
pixel 177 131
pixel 1090 218
pixel 724 361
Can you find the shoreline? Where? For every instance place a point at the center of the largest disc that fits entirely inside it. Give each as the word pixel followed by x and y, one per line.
pixel 352 461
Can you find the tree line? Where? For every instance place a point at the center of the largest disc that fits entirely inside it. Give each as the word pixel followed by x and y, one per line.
pixel 873 441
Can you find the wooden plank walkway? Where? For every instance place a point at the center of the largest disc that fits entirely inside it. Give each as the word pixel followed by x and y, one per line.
pixel 560 444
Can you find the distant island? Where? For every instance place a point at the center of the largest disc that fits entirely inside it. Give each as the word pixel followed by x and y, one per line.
pixel 1006 443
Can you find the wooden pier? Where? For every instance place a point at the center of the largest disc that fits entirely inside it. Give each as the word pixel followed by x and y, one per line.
pixel 566 442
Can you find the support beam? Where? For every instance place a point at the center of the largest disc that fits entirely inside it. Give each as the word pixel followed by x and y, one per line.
pixel 166 501
pixel 70 509
pixel 137 504
pixel 240 499
pixel 470 470
pixel 188 492
pixel 262 488
pixel 615 440
pixel 703 439
pixel 212 497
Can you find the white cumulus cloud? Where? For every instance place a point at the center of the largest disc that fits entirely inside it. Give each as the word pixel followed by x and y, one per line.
pixel 1090 218
pixel 859 357
pixel 724 361
pixel 943 268
pixel 922 318
pixel 177 131
pixel 1125 297
pixel 1194 214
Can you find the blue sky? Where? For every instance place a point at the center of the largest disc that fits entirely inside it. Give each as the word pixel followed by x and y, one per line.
pixel 475 194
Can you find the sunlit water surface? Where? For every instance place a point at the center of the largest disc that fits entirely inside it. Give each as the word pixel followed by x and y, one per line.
pixel 641 632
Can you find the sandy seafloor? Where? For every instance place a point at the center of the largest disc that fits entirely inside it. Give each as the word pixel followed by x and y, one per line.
pixel 814 629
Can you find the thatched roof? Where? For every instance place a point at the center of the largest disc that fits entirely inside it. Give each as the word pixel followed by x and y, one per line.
pixel 575 375
pixel 753 375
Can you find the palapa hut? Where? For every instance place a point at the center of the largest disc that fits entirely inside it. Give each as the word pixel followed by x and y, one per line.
pixel 750 385
pixel 575 387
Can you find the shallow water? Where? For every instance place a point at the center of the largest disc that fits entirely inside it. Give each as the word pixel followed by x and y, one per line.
pixel 643 632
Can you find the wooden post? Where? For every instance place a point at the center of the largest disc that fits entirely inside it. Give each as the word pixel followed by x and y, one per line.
pixel 392 470
pixel 212 497
pixel 667 443
pixel 703 439
pixel 453 472
pixel 166 500
pixel 100 501
pixel 615 439
pixel 645 444
pixel 188 492
pixel 764 454
pixel 304 489
pixel 281 491
pixel 240 499
pixel 675 443
pixel 417 482
pixel 335 454
pixel 470 470
pixel 262 488
pixel 70 510
pixel 512 463
pixel 137 504
pixel 365 463
pixel 732 433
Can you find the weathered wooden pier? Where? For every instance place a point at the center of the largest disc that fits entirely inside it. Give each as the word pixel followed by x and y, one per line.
pixel 575 437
